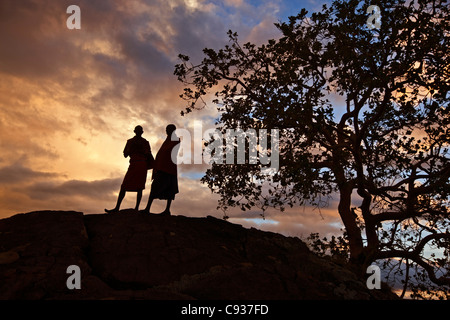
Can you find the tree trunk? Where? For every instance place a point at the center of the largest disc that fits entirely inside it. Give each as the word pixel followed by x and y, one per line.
pixel 349 220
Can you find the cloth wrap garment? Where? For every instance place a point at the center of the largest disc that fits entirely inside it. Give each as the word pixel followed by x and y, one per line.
pixel 165 180
pixel 138 149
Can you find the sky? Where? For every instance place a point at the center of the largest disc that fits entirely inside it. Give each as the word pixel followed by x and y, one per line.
pixel 70 98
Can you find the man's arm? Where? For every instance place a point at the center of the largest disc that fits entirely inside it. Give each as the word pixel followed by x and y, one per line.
pixel 126 151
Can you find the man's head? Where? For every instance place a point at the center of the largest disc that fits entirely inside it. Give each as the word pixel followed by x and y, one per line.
pixel 138 131
pixel 170 128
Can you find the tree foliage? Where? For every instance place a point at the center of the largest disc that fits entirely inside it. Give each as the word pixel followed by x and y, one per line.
pixel 363 114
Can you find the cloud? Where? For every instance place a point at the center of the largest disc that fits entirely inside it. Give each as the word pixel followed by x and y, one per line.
pixel 23 189
pixel 69 99
pixel 17 174
pixel 234 3
pixel 92 190
pixel 297 221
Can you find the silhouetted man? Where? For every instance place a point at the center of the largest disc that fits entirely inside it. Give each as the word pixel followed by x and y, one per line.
pixel 138 149
pixel 165 181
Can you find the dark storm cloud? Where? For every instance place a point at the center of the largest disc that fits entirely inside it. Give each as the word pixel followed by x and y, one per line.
pixel 44 185
pixel 33 41
pixel 73 188
pixel 17 173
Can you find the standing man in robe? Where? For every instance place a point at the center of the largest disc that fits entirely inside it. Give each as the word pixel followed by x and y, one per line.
pixel 165 180
pixel 138 149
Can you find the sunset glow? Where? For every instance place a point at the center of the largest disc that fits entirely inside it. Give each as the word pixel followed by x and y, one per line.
pixel 69 99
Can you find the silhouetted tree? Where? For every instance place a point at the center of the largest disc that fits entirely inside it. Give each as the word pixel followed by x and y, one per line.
pixel 362 112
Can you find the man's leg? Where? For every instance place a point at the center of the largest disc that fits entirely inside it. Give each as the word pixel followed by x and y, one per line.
pixel 119 202
pixel 149 204
pixel 167 211
pixel 138 199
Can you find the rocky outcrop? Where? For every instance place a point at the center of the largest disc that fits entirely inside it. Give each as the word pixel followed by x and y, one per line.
pixel 128 255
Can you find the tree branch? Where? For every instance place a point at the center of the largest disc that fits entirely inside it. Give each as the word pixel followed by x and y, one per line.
pixel 414 255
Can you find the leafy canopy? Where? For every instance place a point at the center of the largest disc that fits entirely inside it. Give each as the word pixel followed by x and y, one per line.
pixel 363 115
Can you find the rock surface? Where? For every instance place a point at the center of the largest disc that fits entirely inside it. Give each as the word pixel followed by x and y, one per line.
pixel 128 255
